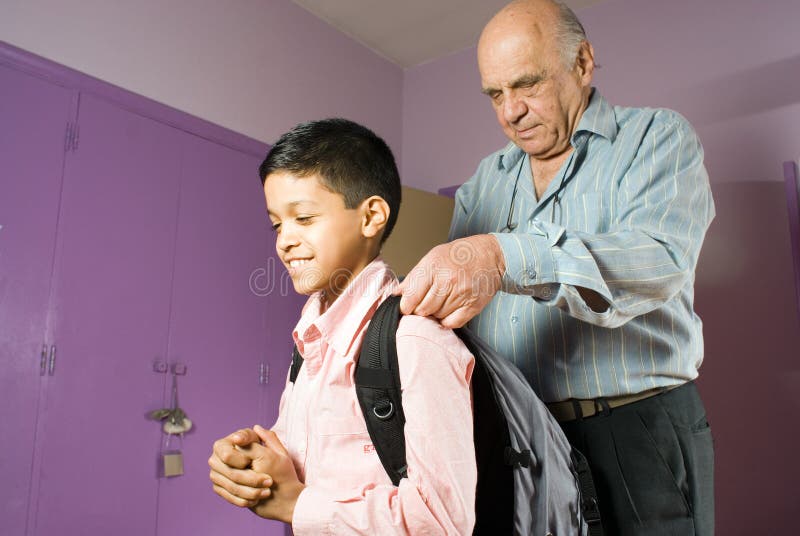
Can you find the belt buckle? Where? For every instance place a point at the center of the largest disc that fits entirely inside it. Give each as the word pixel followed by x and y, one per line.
pixel 584 409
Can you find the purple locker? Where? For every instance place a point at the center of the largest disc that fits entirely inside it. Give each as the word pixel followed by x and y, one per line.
pixel 221 310
pixel 111 298
pixel 34 115
pixel 154 248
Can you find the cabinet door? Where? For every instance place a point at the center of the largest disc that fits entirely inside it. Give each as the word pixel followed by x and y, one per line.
pixel 33 115
pixel 218 328
pixel 112 284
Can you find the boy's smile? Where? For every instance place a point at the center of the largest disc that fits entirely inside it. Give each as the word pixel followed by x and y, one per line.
pixel 296 263
pixel 320 241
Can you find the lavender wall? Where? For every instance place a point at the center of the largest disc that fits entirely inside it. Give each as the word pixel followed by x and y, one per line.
pixel 254 66
pixel 733 68
pixel 792 179
pixel 448 124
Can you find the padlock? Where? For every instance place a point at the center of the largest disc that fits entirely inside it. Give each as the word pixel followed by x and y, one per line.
pixel 172 461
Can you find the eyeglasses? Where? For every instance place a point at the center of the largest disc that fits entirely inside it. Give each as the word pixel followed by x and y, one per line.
pixel 510 224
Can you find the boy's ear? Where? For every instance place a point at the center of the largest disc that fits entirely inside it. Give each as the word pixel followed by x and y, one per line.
pixel 375 214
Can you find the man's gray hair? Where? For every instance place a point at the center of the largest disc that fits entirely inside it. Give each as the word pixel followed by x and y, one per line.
pixel 569 32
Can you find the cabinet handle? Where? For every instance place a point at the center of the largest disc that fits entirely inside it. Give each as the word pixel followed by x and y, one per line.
pixel 52 366
pixel 43 360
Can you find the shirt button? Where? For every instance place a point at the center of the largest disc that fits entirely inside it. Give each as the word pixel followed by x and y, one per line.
pixel 514 319
pixel 531 273
pixel 545 293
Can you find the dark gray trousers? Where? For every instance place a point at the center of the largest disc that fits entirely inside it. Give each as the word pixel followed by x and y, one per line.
pixel 653 464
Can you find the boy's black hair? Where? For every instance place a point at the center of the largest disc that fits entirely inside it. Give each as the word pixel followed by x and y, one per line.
pixel 350 159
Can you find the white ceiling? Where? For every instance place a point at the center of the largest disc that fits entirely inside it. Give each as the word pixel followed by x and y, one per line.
pixel 411 32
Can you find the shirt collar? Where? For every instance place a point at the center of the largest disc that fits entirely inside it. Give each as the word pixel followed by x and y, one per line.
pixel 598 118
pixel 341 323
pixel 509 157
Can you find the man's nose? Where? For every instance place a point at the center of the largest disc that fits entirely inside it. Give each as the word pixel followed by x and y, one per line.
pixel 514 108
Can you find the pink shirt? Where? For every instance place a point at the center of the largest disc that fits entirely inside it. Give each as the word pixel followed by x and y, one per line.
pixel 321 424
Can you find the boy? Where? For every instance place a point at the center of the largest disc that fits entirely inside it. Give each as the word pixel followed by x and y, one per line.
pixel 333 194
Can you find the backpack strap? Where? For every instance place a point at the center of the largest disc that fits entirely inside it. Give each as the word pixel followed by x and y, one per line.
pixel 591 510
pixel 378 389
pixel 297 362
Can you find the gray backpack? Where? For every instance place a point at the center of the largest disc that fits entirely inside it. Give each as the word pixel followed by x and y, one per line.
pixel 531 481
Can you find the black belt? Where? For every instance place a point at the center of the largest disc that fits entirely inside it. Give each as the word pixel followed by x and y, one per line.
pixel 574 408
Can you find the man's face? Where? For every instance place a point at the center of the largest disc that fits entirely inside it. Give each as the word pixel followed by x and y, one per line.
pixel 319 239
pixel 538 101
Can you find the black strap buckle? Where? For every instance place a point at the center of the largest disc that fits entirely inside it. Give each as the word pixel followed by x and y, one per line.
pixel 516 458
pixel 591 510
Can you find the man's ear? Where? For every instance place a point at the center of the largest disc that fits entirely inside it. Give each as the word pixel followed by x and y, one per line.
pixel 375 214
pixel 584 64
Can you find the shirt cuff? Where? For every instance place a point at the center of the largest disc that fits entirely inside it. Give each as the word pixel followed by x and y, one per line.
pixel 312 513
pixel 529 257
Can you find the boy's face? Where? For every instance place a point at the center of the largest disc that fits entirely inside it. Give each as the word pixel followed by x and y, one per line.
pixel 320 242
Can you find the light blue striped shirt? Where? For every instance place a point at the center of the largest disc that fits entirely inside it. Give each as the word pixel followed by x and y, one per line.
pixel 625 216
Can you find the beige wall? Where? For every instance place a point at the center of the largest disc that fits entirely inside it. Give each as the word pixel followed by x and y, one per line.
pixel 424 222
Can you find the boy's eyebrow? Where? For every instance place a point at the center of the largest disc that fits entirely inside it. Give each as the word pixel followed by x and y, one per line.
pixel 295 203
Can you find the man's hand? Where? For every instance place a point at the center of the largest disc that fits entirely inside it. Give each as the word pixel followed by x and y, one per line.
pixel 231 475
pixel 272 458
pixel 454 281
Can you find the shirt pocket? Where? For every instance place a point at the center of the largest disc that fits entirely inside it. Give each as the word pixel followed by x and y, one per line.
pixel 345 454
pixel 588 213
pixel 336 426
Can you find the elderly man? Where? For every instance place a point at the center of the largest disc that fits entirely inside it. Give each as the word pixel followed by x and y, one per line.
pixel 573 253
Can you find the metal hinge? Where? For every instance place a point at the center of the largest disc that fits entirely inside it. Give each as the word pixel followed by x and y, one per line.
pixel 71 137
pixel 47 363
pixel 68 135
pixel 51 366
pixel 43 360
pixel 263 374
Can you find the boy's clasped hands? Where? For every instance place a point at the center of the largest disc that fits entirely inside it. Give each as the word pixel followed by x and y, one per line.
pixel 251 468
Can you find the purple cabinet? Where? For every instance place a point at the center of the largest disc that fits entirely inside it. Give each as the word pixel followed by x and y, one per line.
pixel 33 119
pixel 127 241
pixel 218 328
pixel 111 297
